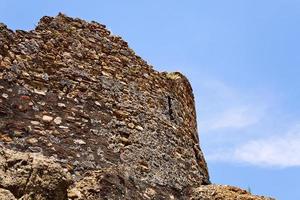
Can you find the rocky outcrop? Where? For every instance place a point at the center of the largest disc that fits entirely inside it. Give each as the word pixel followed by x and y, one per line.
pixel 6 195
pixel 34 176
pixel 86 118
pixel 31 176
pixel 216 192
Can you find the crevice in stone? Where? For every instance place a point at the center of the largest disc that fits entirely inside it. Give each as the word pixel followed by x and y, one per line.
pixel 29 177
pixel 170 109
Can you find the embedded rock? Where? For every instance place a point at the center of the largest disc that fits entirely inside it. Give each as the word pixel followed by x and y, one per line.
pixel 114 184
pixel 6 195
pixel 31 176
pixel 216 192
pixel 80 99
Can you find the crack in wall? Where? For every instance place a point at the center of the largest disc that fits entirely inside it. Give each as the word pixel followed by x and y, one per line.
pixel 170 108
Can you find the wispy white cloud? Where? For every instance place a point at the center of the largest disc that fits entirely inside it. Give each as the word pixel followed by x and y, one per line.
pixel 246 114
pixel 282 151
pixel 227 108
pixel 234 118
pixel 274 151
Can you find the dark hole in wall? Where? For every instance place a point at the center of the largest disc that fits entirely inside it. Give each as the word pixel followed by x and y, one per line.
pixel 3 114
pixel 170 108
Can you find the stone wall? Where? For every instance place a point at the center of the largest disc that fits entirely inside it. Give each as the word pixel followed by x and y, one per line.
pixel 79 96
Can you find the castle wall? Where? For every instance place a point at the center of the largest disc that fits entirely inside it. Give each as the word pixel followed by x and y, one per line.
pixel 72 91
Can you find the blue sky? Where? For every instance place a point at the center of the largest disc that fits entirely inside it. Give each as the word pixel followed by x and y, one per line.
pixel 242 58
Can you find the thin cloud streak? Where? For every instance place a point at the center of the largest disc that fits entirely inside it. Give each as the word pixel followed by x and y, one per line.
pixel 228 108
pixel 280 151
pixel 275 151
pixel 233 118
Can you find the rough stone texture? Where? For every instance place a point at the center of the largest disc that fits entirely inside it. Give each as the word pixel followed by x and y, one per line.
pixel 79 96
pixel 31 176
pixel 215 192
pixel 114 184
pixel 6 195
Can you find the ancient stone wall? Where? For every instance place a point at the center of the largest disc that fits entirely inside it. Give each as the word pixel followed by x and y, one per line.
pixel 72 91
pixel 76 98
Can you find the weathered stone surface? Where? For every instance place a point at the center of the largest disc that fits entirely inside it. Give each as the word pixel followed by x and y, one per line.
pixel 31 176
pixel 216 192
pixel 79 96
pixel 6 195
pixel 113 183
